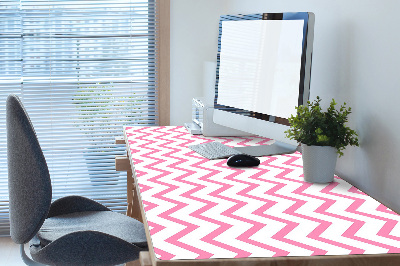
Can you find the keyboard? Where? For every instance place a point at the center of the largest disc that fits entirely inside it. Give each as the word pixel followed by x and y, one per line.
pixel 214 150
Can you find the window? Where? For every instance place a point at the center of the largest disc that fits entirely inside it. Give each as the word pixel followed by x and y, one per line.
pixel 83 69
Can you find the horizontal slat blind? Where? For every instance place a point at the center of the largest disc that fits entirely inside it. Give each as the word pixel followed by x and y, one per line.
pixel 83 69
pixel 10 82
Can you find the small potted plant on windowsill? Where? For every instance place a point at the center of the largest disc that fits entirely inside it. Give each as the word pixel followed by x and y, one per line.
pixel 323 135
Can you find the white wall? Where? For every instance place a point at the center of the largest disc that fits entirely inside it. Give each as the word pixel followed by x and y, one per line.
pixel 194 41
pixel 356 59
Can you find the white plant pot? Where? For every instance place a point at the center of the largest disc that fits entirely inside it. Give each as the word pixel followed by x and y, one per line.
pixel 319 163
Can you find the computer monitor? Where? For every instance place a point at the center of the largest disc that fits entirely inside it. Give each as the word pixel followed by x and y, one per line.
pixel 263 73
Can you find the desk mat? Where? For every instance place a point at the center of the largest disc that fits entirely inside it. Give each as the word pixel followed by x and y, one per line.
pixel 201 209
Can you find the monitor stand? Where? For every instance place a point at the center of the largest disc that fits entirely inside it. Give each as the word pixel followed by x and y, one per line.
pixel 276 148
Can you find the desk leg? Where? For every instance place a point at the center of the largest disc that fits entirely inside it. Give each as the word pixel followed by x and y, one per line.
pixel 133 211
pixel 144 260
pixel 133 200
pixel 122 164
pixel 129 193
pixel 133 263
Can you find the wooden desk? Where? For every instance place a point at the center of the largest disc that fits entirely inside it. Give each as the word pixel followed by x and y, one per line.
pixel 201 211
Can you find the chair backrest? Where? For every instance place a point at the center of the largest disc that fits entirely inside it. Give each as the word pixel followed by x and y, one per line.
pixel 29 183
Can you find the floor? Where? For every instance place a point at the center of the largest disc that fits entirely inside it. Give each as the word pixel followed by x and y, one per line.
pixel 9 253
pixel 10 256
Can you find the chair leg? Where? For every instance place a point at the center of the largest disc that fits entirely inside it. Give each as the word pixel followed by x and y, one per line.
pixel 26 259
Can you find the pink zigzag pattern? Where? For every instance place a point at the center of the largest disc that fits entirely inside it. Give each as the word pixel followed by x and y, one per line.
pixel 208 205
pixel 163 255
pixel 245 237
pixel 258 226
pixel 229 213
pixel 189 226
pixel 201 210
pixel 260 212
pixel 383 208
pixel 222 226
pixel 281 235
pixel 358 224
pixel 389 223
pixel 167 146
pixel 315 234
pixel 324 224
pixel 178 205
pixel 322 210
pixel 174 239
pixel 149 205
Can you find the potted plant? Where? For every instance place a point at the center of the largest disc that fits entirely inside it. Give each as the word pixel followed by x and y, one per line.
pixel 323 135
pixel 99 106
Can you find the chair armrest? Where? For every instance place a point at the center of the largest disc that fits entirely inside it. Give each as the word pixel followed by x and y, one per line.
pixel 72 204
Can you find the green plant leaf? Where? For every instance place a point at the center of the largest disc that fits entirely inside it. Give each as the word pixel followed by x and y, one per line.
pixel 312 126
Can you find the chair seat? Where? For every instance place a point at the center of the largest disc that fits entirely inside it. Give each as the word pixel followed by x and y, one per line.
pixel 77 231
pixel 108 222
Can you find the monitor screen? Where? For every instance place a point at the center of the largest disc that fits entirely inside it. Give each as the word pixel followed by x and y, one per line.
pixel 260 63
pixel 263 71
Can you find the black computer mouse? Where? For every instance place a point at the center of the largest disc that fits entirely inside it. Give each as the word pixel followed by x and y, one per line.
pixel 242 160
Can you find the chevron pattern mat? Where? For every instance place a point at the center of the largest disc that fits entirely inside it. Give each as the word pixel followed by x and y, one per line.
pixel 200 209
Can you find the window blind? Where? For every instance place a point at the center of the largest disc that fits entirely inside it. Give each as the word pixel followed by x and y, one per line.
pixel 83 69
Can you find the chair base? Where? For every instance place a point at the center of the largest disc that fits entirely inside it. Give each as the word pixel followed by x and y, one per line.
pixel 26 259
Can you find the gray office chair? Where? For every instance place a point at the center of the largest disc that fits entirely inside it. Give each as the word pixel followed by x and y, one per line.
pixel 70 231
